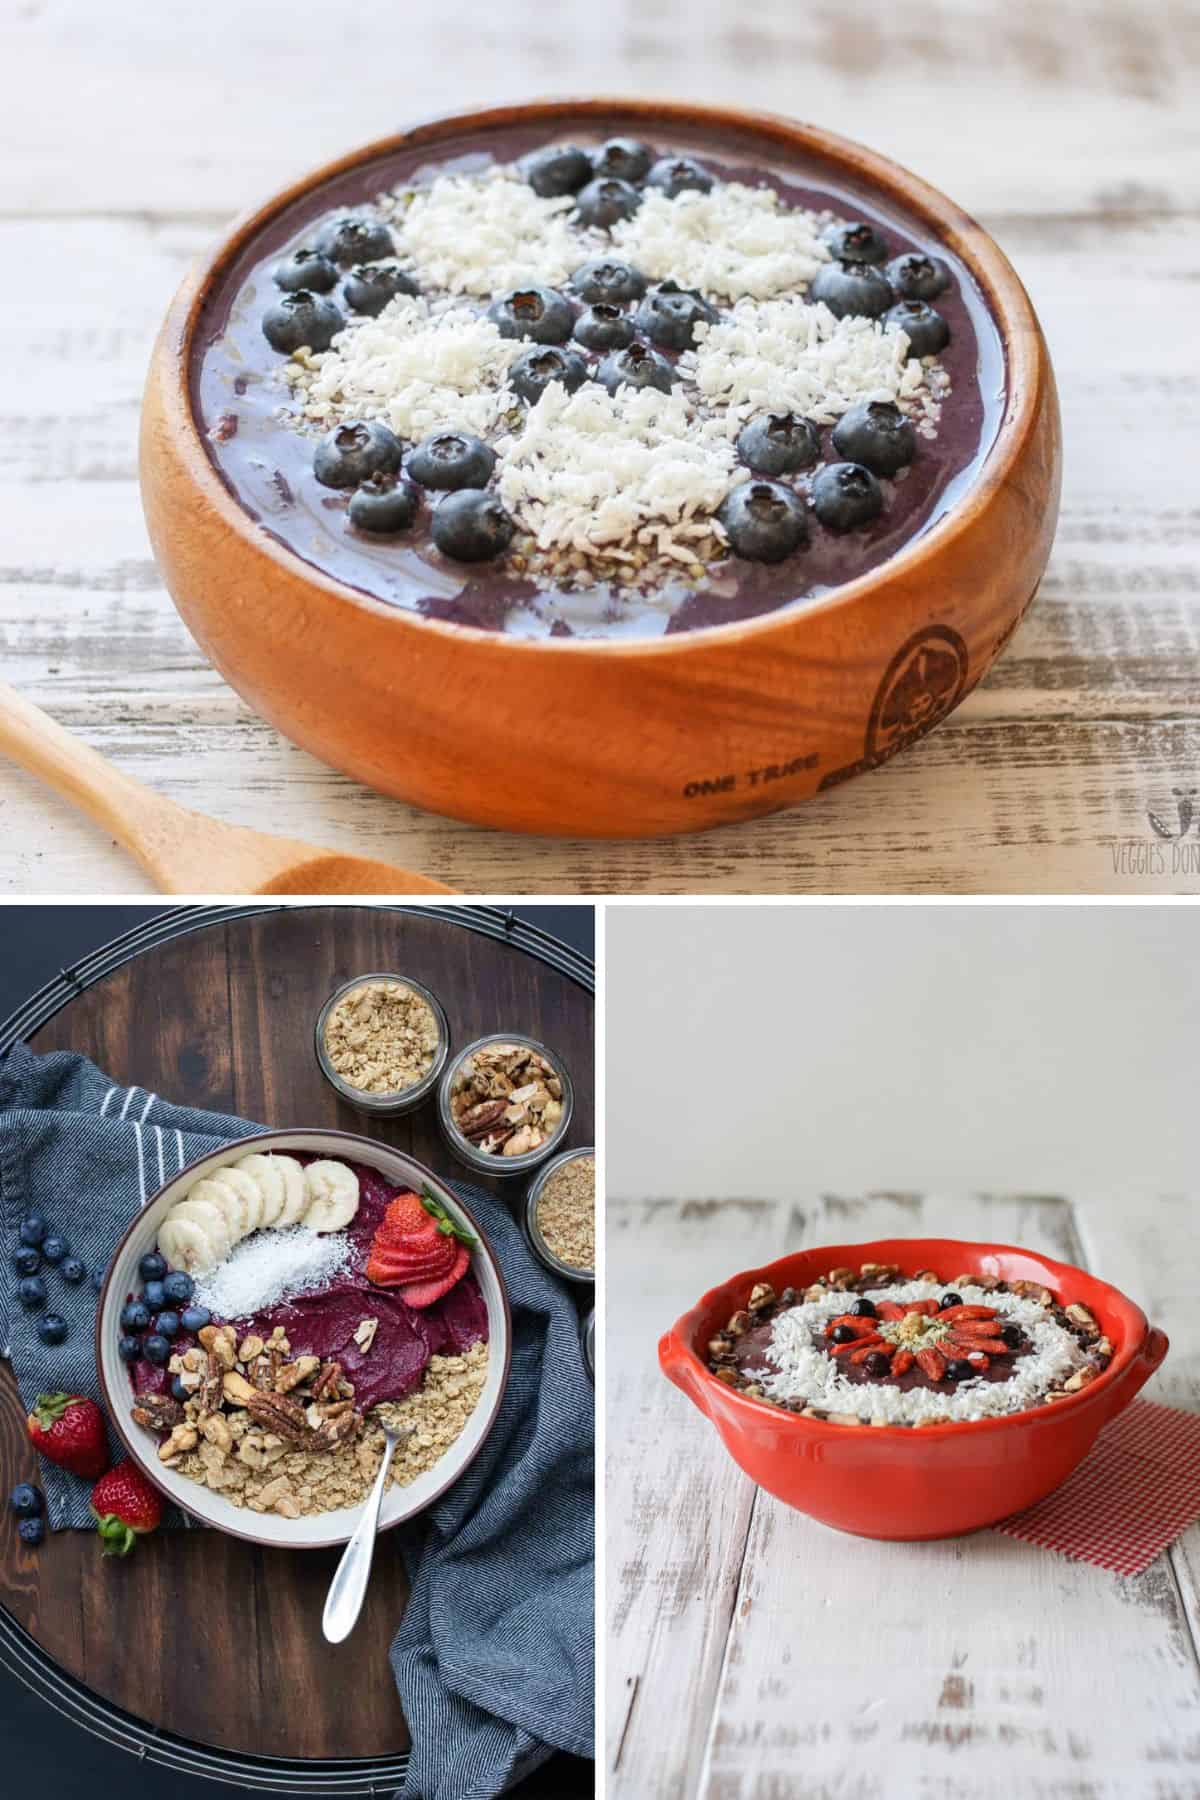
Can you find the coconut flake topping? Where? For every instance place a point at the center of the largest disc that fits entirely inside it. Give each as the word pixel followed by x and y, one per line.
pixel 482 234
pixel 734 241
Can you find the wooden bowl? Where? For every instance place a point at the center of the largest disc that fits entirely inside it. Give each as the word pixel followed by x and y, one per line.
pixel 318 1530
pixel 632 737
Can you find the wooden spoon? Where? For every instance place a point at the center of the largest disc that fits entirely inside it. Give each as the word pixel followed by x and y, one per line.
pixel 182 851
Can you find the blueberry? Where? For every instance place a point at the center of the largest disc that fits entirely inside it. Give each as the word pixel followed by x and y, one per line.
pixel 54 1249
pixel 26 1260
pixel 779 443
pixel 864 1309
pixel 669 314
pixel 856 242
pixel 73 1271
pixel 153 1295
pixel 949 1300
pixel 603 203
pixel 845 495
pixel 349 453
pixel 540 313
pixel 472 526
pixel 31 1292
pixel 876 434
pixel 52 1328
pixel 195 1318
pixel 763 520
pixel 638 367
pixel 452 459
pixel 301 320
pixel 927 332
pixel 604 278
pixel 178 1287
pixel 152 1266
pixel 135 1316
pixel 915 276
pixel 26 1500
pixel 178 1391
pixel 99 1276
pixel 674 174
pixel 167 1324
pixel 558 169
pixel 537 367
pixel 384 505
pixel 851 288
pixel 156 1349
pixel 369 286
pixel 959 1370
pixel 1012 1336
pixel 842 1334
pixel 877 1363
pixel 625 159
pixel 129 1349
pixel 33 1229
pixel 31 1531
pixel 355 239
pixel 603 327
pixel 305 269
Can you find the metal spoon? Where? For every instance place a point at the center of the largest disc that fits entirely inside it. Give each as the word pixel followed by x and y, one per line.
pixel 347 1590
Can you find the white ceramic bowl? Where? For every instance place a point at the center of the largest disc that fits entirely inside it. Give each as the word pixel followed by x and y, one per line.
pixel 322 1529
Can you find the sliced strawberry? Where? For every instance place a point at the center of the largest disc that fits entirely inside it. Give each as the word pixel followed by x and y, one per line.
pixel 425 1293
pixel 400 1266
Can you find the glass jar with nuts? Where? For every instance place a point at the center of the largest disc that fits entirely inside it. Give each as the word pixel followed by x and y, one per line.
pixel 505 1103
pixel 560 1215
pixel 382 1041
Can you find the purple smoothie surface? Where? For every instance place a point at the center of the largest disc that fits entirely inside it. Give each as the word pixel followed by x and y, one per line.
pixel 324 1324
pixel 268 468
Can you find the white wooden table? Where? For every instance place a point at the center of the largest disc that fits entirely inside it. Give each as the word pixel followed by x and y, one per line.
pixel 132 133
pixel 756 1655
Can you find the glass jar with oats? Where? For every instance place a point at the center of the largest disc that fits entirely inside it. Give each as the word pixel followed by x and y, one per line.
pixel 382 1041
pixel 560 1215
pixel 504 1103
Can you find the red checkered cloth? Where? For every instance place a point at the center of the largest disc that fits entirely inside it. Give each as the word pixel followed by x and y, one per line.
pixel 1131 1496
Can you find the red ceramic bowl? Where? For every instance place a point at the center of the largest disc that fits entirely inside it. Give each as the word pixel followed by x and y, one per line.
pixel 936 1480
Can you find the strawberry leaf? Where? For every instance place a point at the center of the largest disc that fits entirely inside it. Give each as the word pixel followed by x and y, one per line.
pixel 450 1227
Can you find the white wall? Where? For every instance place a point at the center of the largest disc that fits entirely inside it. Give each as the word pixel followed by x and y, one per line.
pixel 762 1050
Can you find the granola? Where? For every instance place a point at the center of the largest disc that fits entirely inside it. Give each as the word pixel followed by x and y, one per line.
pixel 506 1099
pixel 566 1212
pixel 276 1433
pixel 381 1037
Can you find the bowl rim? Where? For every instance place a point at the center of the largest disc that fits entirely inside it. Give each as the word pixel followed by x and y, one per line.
pixel 1025 358
pixel 258 1138
pixel 678 1340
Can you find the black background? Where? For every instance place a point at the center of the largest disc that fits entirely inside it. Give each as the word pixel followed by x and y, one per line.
pixel 40 1752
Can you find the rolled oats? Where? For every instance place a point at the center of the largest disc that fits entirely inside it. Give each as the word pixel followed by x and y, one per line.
pixel 566 1212
pixel 381 1037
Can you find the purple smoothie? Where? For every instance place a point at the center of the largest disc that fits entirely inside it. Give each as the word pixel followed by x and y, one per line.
pixel 236 393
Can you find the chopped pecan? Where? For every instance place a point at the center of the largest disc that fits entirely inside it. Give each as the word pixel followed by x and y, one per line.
pixel 237 1389
pixel 157 1412
pixel 761 1294
pixel 738 1324
pixel 281 1414
pixel 328 1382
pixel 209 1391
pixel 293 1374
pixel 482 1120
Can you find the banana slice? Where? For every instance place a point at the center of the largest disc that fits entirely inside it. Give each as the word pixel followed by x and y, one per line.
pixel 295 1194
pixel 249 1194
pixel 332 1196
pixel 267 1176
pixel 186 1245
pixel 209 1213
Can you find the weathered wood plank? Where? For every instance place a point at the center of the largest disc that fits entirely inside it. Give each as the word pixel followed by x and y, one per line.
pixel 676 1510
pixel 978 1666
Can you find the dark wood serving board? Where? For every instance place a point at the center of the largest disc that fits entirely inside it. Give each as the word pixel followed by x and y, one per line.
pixel 198 1633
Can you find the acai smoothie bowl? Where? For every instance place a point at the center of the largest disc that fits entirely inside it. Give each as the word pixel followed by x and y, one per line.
pixel 708 457
pixel 913 1388
pixel 273 1307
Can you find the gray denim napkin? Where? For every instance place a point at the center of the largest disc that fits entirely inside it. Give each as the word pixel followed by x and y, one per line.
pixel 493 1658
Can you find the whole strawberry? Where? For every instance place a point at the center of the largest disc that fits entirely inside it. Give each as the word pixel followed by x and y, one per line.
pixel 126 1506
pixel 69 1430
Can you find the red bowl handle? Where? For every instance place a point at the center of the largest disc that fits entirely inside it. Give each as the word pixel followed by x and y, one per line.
pixel 679 1366
pixel 1139 1371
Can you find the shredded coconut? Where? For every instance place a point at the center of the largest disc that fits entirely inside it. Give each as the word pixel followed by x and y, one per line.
pixel 483 234
pixel 271 1266
pixel 415 369
pixel 734 241
pixel 806 1372
pixel 788 356
pixel 594 469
